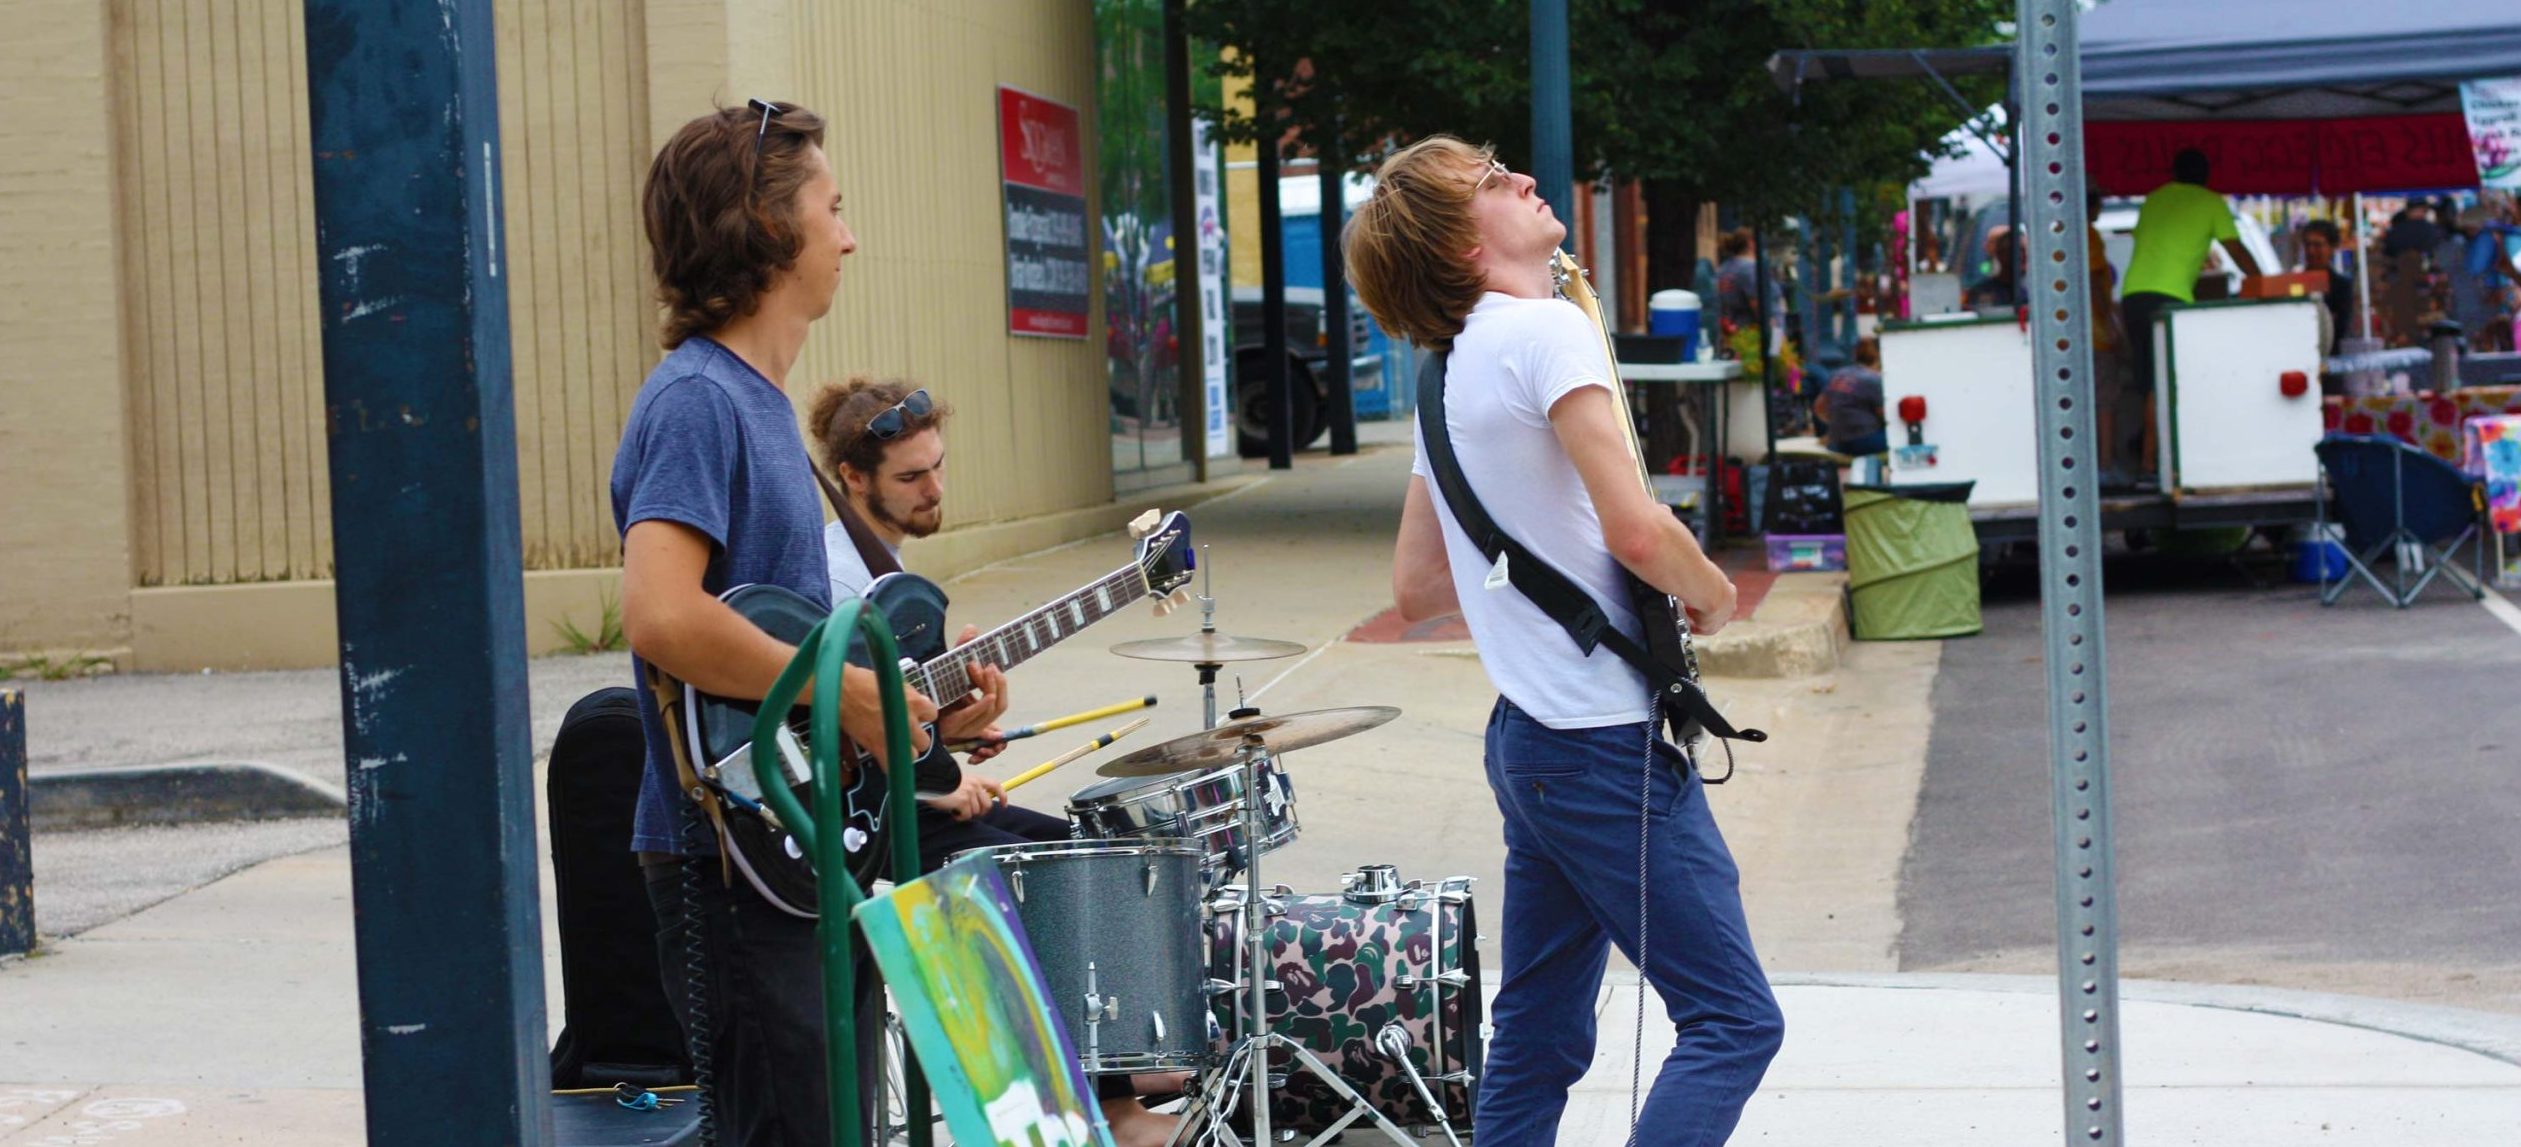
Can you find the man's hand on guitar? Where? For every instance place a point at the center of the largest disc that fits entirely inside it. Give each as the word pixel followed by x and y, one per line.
pixel 978 717
pixel 1709 612
pixel 862 712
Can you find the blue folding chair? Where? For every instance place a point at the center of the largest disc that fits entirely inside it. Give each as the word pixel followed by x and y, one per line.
pixel 2391 496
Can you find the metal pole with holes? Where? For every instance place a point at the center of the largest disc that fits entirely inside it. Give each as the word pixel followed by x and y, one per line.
pixel 403 116
pixel 2047 78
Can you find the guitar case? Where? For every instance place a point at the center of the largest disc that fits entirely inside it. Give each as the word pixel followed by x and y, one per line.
pixel 619 1025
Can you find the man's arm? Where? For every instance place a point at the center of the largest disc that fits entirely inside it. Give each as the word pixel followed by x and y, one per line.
pixel 2241 257
pixel 1422 576
pixel 1644 536
pixel 681 628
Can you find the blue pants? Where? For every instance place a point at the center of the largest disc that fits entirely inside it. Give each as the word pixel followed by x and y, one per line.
pixel 1570 801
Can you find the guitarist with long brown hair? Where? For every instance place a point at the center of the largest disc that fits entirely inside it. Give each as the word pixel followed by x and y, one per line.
pixel 712 489
pixel 1609 840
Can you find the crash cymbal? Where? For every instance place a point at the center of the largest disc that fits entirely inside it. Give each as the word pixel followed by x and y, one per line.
pixel 1208 648
pixel 1283 733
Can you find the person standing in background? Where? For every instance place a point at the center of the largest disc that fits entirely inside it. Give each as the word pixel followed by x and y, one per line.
pixel 2176 229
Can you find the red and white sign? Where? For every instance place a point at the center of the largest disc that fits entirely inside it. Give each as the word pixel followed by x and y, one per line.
pixel 2285 157
pixel 1041 157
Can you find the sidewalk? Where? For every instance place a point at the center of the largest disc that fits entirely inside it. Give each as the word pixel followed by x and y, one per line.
pixel 228 1012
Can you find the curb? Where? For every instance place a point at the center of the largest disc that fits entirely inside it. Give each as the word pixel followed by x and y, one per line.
pixel 2491 1034
pixel 1799 630
pixel 175 794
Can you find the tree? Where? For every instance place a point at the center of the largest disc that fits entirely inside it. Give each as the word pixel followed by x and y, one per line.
pixel 1674 91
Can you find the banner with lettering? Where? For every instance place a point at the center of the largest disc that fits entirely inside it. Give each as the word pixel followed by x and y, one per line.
pixel 2493 108
pixel 1041 159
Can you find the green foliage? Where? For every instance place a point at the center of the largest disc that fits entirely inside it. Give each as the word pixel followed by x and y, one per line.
pixel 1673 90
pixel 608 636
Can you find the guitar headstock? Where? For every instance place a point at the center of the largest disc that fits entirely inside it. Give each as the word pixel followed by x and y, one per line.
pixel 1575 284
pixel 1164 553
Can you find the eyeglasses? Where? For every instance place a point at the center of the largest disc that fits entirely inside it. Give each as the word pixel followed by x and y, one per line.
pixel 1495 169
pixel 888 422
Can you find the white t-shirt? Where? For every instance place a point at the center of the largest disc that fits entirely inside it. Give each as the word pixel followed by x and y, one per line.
pixel 850 576
pixel 1514 359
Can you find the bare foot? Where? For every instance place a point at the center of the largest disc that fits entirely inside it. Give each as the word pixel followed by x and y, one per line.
pixel 1135 1126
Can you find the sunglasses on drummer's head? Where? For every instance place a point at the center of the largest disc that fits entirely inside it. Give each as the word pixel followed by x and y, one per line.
pixel 888 422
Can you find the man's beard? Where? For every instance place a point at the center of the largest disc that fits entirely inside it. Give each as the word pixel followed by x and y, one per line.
pixel 908 524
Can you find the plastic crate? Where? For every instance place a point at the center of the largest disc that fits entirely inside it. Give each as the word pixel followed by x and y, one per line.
pixel 1803 553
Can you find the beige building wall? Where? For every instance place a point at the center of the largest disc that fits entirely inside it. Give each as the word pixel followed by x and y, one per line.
pixel 162 430
pixel 65 536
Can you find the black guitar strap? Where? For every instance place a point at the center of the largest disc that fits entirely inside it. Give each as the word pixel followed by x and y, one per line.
pixel 1679 700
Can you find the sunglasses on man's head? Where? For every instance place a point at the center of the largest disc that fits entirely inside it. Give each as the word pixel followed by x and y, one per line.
pixel 768 109
pixel 888 422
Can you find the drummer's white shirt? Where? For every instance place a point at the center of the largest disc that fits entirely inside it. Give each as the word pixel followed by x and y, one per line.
pixel 1514 359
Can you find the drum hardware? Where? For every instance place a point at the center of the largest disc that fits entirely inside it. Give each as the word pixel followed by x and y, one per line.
pixel 1372 884
pixel 1249 1057
pixel 1284 733
pixel 1208 651
pixel 1393 1041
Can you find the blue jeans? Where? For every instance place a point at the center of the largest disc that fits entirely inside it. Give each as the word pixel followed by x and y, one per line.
pixel 1570 801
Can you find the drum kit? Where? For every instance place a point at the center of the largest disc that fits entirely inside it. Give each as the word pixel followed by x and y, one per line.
pixel 1294 1012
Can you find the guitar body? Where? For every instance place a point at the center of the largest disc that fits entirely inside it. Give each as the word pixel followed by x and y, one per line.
pixel 719 730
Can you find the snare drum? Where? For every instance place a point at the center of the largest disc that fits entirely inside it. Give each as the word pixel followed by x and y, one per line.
pixel 1365 978
pixel 1117 925
pixel 1205 809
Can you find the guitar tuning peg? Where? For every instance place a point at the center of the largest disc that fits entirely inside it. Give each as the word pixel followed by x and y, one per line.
pixel 1164 607
pixel 1181 597
pixel 1144 524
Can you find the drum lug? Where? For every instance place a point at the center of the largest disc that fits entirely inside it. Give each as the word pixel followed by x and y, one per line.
pixel 1158 1017
pixel 1015 882
pixel 1149 872
pixel 1216 988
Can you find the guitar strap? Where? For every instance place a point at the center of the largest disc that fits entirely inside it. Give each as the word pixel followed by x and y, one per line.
pixel 871 549
pixel 1680 701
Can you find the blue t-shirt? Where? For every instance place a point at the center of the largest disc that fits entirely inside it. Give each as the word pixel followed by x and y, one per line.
pixel 713 445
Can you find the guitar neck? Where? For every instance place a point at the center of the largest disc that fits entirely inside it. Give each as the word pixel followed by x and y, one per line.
pixel 947 678
pixel 1580 292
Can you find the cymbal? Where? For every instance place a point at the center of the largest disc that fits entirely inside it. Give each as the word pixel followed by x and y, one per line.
pixel 1283 733
pixel 1208 648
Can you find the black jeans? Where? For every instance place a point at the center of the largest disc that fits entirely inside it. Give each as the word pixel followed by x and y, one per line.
pixel 764 980
pixel 2137 311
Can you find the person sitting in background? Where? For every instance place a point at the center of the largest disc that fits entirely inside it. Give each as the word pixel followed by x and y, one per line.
pixel 2001 288
pixel 2478 276
pixel 1850 406
pixel 2320 244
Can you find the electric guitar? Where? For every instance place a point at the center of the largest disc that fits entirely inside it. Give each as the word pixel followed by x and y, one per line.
pixel 719 730
pixel 1667 633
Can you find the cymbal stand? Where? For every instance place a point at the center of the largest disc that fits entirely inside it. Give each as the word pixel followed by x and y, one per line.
pixel 1249 1058
pixel 1207 624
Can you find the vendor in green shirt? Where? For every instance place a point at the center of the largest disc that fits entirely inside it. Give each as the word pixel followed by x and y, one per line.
pixel 2178 226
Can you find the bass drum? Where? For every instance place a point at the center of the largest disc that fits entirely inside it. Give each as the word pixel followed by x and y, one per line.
pixel 1378 970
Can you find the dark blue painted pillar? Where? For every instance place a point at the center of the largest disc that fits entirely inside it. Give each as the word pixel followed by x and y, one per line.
pixel 420 426
pixel 17 855
pixel 1553 116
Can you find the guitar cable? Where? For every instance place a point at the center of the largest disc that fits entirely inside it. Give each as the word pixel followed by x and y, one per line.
pixel 697 1031
pixel 1645 821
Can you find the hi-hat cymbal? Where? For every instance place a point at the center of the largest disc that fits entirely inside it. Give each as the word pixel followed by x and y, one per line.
pixel 1208 648
pixel 1283 733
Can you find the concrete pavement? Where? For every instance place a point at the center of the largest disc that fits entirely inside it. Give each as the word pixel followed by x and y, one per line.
pixel 228 1012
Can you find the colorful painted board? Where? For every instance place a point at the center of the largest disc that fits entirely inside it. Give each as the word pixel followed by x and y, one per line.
pixel 2494 454
pixel 2424 419
pixel 978 1012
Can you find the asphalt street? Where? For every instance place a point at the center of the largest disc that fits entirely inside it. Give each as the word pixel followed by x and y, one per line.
pixel 2304 797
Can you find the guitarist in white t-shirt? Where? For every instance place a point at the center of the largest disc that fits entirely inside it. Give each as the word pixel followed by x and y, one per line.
pixel 1454 253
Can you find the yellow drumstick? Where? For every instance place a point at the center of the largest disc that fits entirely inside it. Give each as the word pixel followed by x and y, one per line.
pixel 1055 723
pixel 1043 769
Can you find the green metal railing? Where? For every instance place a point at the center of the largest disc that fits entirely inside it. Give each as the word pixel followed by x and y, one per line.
pixel 823 656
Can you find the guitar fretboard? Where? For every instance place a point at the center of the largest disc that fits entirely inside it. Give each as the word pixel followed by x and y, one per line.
pixel 948 678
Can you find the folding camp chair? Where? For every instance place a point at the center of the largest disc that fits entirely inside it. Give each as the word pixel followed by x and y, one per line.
pixel 2391 496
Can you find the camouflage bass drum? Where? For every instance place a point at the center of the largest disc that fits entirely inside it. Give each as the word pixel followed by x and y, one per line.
pixel 1363 976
